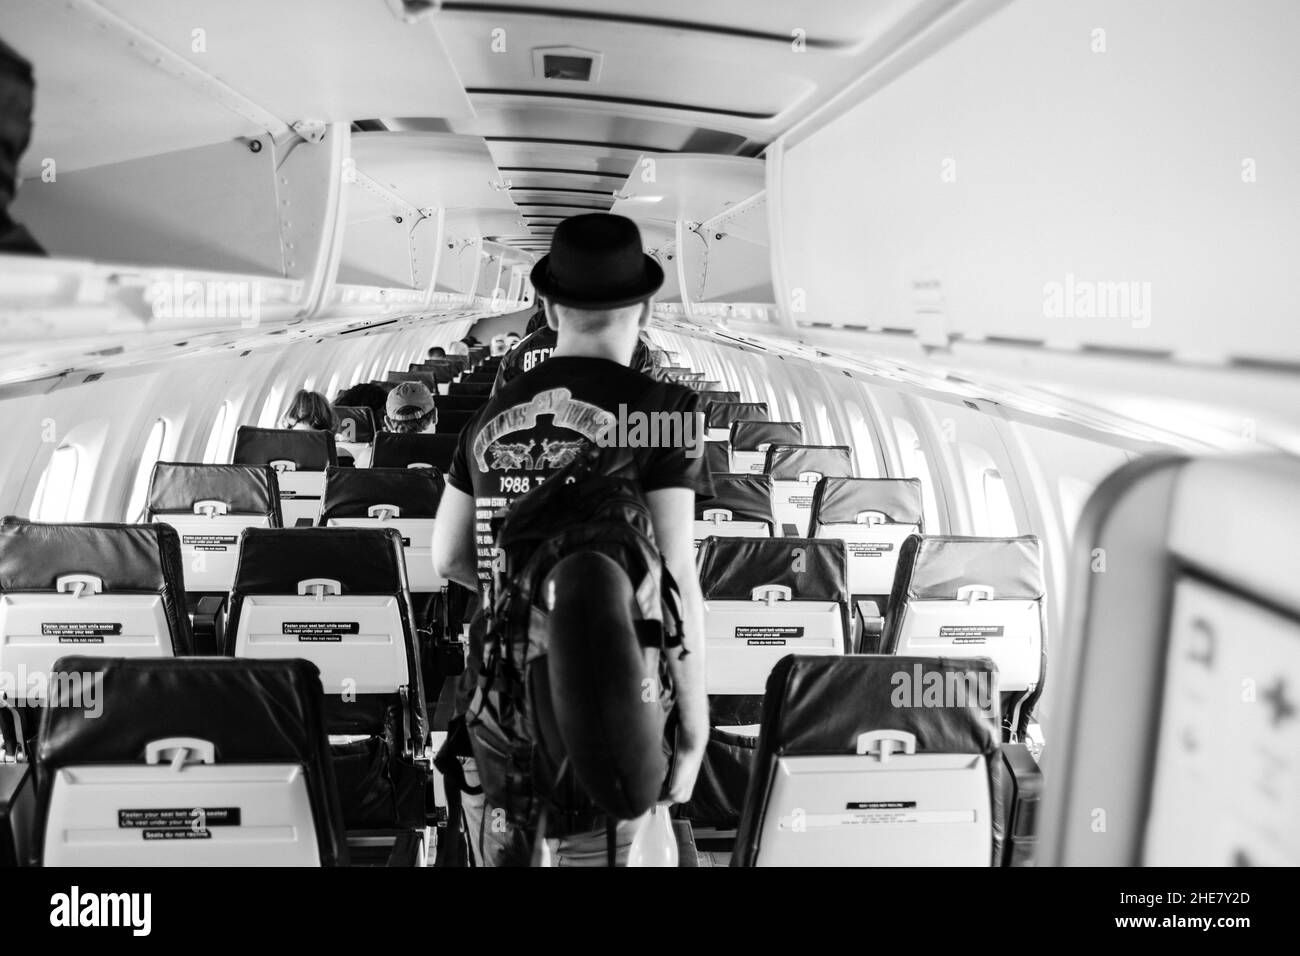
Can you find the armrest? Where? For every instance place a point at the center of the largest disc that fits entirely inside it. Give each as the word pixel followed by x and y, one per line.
pixel 17 813
pixel 209 624
pixel 1026 783
pixel 870 624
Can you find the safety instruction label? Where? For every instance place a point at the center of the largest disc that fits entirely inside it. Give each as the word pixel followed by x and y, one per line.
pixel 324 631
pixel 885 816
pixel 209 542
pixel 80 632
pixel 970 633
pixel 765 635
pixel 868 549
pixel 174 823
pixel 801 501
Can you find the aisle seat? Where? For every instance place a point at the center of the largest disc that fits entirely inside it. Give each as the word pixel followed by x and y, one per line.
pixel 419 450
pixel 299 458
pixel 718 417
pixel 354 433
pixel 741 507
pixel 750 441
pixel 795 471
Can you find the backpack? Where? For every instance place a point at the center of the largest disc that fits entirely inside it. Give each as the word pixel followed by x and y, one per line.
pixel 592 504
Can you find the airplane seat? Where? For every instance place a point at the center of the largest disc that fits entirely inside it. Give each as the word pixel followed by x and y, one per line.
pixel 112 590
pixel 957 596
pixel 763 597
pixel 117 783
pixel 867 760
pixel 717 458
pixel 741 507
pixel 750 441
pixel 873 517
pixel 795 471
pixel 459 403
pixel 1178 707
pixel 443 372
pixel 405 498
pixel 429 379
pixel 355 433
pixel 451 422
pixel 723 395
pixel 718 416
pixel 210 506
pixel 419 450
pixel 338 597
pixel 299 458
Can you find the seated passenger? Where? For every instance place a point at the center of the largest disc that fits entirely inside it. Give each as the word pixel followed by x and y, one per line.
pixel 538 423
pixel 311 411
pixel 538 345
pixel 512 339
pixel 368 394
pixel 436 352
pixel 410 409
pixel 458 348
pixel 538 321
pixel 498 346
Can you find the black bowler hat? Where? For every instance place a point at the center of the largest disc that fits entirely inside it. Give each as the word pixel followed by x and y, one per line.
pixel 596 262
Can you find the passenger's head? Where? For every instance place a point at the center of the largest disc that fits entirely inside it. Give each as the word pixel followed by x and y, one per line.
pixel 498 346
pixel 365 394
pixel 410 409
pixel 538 321
pixel 310 410
pixel 597 281
pixel 437 352
pixel 512 339
pixel 458 348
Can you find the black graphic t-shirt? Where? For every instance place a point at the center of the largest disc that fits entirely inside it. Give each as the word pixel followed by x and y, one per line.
pixel 536 348
pixel 541 421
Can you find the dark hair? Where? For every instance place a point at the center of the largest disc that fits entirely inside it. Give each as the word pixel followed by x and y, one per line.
pixel 437 351
pixel 371 396
pixel 538 321
pixel 311 409
pixel 412 426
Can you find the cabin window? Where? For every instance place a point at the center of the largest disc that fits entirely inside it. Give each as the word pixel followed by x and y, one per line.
pixel 272 413
pixel 863 447
pixel 153 452
pixel 915 464
pixel 824 426
pixel 54 492
pixel 218 447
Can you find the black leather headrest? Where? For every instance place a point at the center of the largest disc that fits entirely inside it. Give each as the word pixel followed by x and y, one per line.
pixel 449 423
pixel 253 711
pixel 428 378
pixel 748 435
pixel 747 497
pixel 127 558
pixel 393 450
pixel 814 569
pixel 349 492
pixel 362 560
pixel 309 450
pixel 933 567
pixel 470 388
pixel 838 500
pixel 362 419
pixel 788 462
pixel 719 395
pixel 722 414
pixel 819 705
pixel 442 371
pixel 174 487
pixel 386 386
pixel 717 457
pixel 459 403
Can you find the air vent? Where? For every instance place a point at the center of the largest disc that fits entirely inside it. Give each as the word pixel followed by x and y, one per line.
pixel 567 63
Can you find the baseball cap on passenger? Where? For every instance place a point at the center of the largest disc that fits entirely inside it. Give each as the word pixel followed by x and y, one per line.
pixel 596 262
pixel 409 401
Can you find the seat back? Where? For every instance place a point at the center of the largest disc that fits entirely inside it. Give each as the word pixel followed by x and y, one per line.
pixel 750 441
pixel 722 395
pixel 299 458
pixel 741 507
pixel 868 760
pixel 193 762
pixel 210 506
pixel 974 597
pixel 393 450
pixel 720 415
pixel 355 433
pixel 1177 709
pixel 451 422
pixel 430 379
pixel 717 457
pixel 795 471
pixel 109 590
pixel 767 597
pixel 401 498
pixel 873 517
pixel 459 403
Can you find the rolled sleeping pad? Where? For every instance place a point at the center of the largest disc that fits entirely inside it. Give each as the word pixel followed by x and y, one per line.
pixel 597 670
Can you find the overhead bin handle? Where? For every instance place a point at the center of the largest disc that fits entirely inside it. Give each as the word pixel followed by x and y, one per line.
pixel 717 515
pixel 320 588
pixel 79 584
pixel 284 464
pixel 211 507
pixel 970 593
pixel 885 743
pixel 771 593
pixel 871 517
pixel 183 750
pixel 810 477
pixel 384 512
